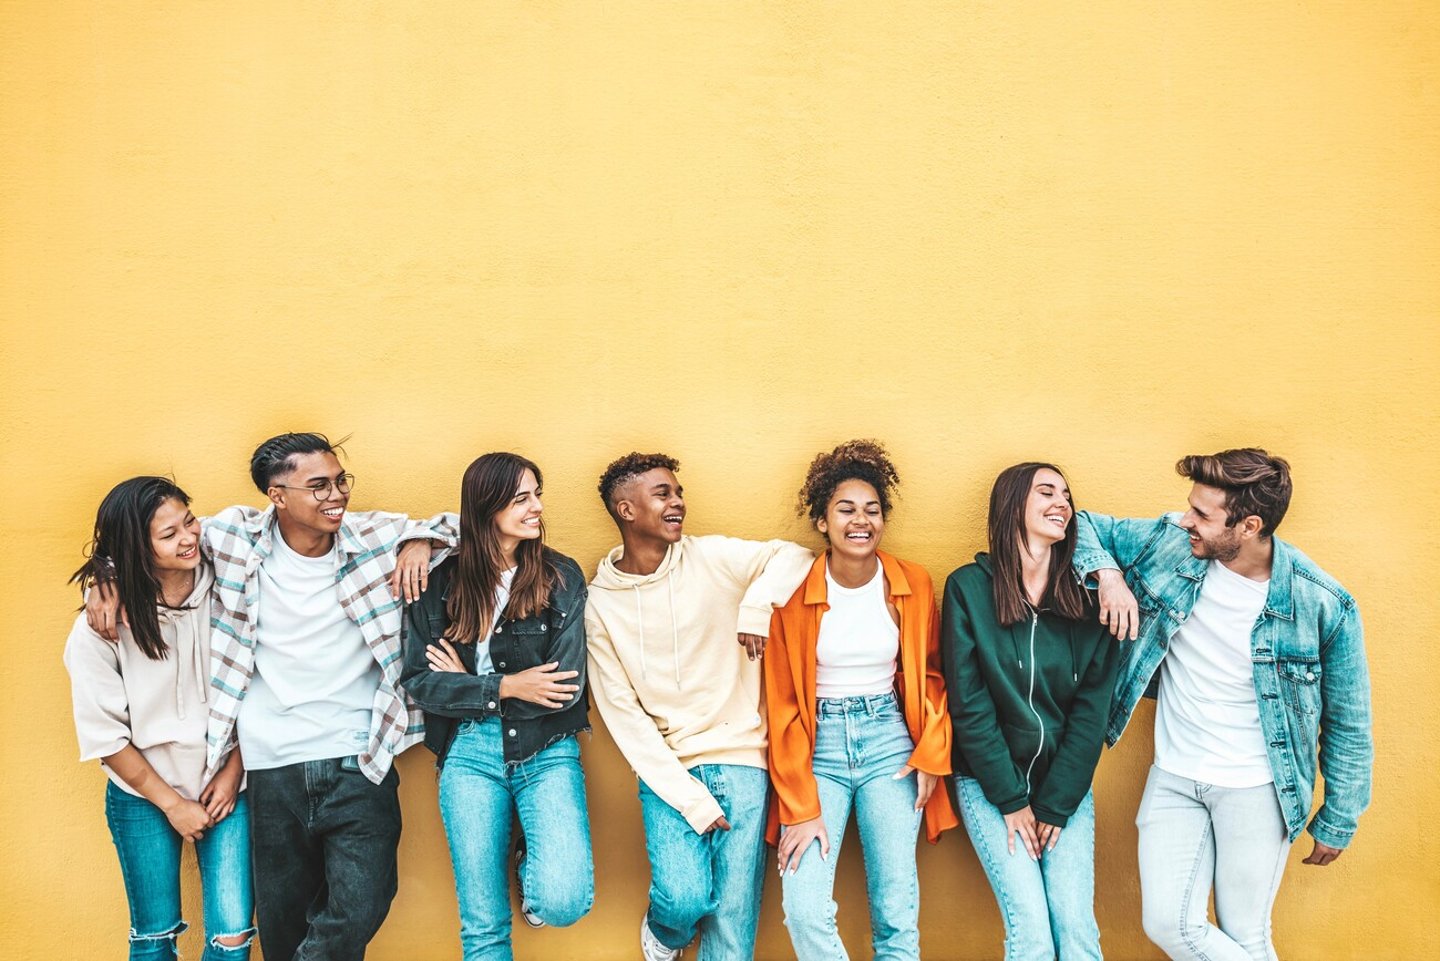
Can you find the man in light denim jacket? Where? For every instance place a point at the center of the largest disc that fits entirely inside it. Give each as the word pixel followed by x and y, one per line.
pixel 1257 657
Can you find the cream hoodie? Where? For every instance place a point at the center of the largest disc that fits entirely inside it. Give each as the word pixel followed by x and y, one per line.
pixel 123 697
pixel 674 686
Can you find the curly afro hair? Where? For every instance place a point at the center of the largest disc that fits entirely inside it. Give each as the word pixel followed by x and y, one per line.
pixel 631 465
pixel 864 460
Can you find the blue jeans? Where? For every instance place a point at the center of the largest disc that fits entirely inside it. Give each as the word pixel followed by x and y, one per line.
pixel 1048 906
pixel 149 851
pixel 709 882
pixel 860 743
pixel 478 794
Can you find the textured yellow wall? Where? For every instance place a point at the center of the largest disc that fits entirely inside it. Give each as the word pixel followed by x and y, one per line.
pixel 1100 233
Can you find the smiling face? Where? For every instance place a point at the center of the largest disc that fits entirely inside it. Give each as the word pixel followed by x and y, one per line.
pixel 853 521
pixel 1205 521
pixel 1048 511
pixel 653 503
pixel 519 520
pixel 293 493
pixel 174 537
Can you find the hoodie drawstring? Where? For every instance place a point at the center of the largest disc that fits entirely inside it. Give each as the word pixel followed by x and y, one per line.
pixel 674 628
pixel 640 621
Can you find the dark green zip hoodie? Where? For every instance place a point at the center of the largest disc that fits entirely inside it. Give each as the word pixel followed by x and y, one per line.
pixel 1028 702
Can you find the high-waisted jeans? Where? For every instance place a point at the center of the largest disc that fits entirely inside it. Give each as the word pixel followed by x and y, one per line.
pixel 479 796
pixel 860 744
pixel 149 851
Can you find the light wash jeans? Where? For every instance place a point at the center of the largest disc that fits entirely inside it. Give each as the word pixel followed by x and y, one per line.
pixel 709 882
pixel 860 742
pixel 149 851
pixel 1048 906
pixel 478 794
pixel 1193 836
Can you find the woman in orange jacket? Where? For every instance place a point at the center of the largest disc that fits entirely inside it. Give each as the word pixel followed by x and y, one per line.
pixel 857 712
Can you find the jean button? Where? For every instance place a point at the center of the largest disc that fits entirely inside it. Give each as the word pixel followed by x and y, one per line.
pixel 491 705
pixel 511 732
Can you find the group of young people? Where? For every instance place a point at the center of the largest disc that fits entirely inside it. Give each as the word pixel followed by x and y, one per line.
pixel 247 682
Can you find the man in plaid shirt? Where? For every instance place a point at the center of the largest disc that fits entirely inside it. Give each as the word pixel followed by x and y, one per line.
pixel 305 665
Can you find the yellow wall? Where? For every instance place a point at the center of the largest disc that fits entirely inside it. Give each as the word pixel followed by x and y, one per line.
pixel 1100 233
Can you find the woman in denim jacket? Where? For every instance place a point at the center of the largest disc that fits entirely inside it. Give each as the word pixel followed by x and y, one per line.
pixel 1028 670
pixel 495 656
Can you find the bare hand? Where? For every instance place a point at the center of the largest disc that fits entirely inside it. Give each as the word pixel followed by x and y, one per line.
pixel 719 824
pixel 444 658
pixel 220 794
pixel 1322 855
pixel 754 645
pixel 540 685
pixel 796 840
pixel 103 611
pixel 189 819
pixel 1118 610
pixel 1048 835
pixel 1023 823
pixel 412 571
pixel 924 784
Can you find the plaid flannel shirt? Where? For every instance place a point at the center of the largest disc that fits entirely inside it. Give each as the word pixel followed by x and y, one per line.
pixel 238 540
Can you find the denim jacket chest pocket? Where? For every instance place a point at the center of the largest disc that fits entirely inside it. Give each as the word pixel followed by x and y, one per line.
pixel 520 645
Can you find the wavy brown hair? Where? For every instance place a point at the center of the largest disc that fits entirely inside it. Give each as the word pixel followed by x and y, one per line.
pixel 864 460
pixel 1254 481
pixel 489 484
pixel 1063 593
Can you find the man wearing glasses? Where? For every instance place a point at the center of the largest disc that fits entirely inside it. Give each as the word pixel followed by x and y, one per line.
pixel 305 655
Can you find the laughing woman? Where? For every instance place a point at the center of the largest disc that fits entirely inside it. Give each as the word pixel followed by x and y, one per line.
pixel 495 655
pixel 1029 670
pixel 857 713
pixel 141 710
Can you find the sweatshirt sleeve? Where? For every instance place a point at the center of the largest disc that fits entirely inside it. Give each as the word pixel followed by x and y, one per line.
pixel 791 750
pixel 636 735
pixel 932 748
pixel 97 691
pixel 972 711
pixel 1073 766
pixel 769 572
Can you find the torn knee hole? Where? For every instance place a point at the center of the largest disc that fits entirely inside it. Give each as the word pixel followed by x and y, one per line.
pixel 171 934
pixel 241 940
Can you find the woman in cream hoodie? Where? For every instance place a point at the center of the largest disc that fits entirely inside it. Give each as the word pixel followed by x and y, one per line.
pixel 141 707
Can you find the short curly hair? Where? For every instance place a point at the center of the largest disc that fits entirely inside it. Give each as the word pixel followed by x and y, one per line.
pixel 624 468
pixel 864 460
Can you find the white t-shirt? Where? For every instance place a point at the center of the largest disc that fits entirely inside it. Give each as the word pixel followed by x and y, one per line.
pixel 313 690
pixel 1207 723
pixel 855 651
pixel 484 663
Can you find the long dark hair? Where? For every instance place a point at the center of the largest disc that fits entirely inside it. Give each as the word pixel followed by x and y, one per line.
pixel 1063 593
pixel 122 542
pixel 487 488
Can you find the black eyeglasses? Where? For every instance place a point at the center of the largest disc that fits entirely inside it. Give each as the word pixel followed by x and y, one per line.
pixel 343 483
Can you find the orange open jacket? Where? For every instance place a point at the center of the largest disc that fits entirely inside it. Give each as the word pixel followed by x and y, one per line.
pixel 790 693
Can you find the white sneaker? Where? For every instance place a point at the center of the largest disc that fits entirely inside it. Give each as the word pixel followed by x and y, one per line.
pixel 531 918
pixel 650 947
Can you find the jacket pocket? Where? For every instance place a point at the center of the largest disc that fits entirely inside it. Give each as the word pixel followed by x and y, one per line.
pixel 1300 682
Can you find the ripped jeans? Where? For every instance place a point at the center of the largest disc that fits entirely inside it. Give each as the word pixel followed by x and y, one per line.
pixel 149 851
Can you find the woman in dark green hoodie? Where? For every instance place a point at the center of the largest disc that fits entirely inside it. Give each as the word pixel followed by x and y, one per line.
pixel 1029 669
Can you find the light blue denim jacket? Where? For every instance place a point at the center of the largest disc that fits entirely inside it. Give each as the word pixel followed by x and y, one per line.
pixel 1308 650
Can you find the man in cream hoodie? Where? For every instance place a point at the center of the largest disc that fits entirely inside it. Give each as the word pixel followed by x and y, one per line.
pixel 681 698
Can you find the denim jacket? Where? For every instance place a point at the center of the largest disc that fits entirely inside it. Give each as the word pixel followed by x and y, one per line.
pixel 1311 681
pixel 556 634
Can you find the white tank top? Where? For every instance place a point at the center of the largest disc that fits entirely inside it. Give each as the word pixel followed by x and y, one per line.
pixel 855 652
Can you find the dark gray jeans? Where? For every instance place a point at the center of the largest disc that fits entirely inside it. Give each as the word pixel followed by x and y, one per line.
pixel 323 847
